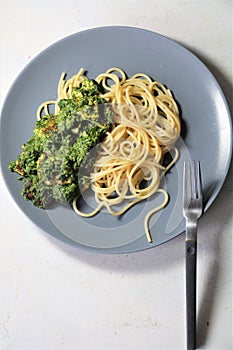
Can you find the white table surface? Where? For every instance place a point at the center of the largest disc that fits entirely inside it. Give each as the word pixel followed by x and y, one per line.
pixel 54 296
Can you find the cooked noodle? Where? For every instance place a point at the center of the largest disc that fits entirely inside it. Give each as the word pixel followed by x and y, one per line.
pixel 64 90
pixel 146 127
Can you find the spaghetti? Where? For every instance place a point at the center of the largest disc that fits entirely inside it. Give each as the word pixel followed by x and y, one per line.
pixel 146 126
pixel 64 91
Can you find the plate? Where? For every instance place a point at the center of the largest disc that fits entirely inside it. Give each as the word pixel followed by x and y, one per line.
pixel 206 130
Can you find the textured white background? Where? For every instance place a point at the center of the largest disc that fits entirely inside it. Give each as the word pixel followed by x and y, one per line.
pixel 53 296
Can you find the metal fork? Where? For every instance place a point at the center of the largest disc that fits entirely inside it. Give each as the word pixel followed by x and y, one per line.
pixel 192 210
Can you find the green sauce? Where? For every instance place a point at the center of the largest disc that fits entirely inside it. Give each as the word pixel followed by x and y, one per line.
pixel 50 161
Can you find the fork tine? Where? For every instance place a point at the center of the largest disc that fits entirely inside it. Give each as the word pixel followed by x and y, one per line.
pixel 186 181
pixel 196 180
pixel 199 189
pixel 193 180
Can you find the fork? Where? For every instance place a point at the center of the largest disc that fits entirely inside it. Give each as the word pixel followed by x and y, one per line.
pixel 192 210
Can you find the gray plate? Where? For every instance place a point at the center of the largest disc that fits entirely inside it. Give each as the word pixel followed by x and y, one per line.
pixel 206 131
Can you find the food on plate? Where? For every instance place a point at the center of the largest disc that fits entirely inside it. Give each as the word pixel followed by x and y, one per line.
pixel 132 123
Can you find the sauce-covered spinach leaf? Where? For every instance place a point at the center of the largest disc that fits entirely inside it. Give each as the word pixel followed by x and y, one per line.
pixel 49 162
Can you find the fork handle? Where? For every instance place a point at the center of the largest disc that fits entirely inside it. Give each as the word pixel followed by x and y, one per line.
pixel 191 262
